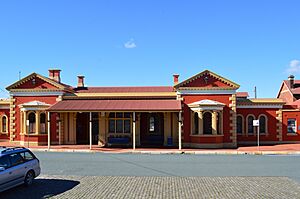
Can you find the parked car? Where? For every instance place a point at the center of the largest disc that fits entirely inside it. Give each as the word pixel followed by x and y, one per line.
pixel 18 165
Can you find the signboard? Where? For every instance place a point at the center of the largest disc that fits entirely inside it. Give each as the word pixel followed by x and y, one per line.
pixel 255 122
pixel 27 122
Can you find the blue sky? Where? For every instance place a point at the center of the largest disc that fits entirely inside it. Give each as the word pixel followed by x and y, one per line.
pixel 134 42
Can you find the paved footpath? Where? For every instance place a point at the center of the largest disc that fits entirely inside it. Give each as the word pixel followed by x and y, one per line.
pixel 49 186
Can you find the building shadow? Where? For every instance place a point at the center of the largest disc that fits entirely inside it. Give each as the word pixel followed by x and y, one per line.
pixel 41 188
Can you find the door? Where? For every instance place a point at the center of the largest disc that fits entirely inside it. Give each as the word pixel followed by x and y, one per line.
pixel 82 128
pixel 5 175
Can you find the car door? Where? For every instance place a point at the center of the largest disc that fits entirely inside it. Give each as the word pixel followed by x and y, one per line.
pixel 5 175
pixel 18 169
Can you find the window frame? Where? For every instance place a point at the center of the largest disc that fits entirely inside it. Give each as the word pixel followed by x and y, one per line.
pixel 266 124
pixel 115 119
pixel 34 124
pixel 6 124
pixel 242 123
pixel 295 126
pixel 40 123
pixel 247 126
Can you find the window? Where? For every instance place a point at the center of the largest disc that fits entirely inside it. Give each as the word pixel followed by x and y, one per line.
pixel 250 125
pixel 27 156
pixel 152 124
pixel 31 118
pixel 42 123
pixel 4 124
pixel 262 124
pixel 16 159
pixel 291 128
pixel 196 123
pixel 207 129
pixel 119 123
pixel 239 124
pixel 4 162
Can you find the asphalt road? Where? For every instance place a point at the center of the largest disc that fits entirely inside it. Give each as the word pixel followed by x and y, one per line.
pixel 177 165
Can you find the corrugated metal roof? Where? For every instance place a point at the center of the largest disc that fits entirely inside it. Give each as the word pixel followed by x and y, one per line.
pixel 117 105
pixel 125 89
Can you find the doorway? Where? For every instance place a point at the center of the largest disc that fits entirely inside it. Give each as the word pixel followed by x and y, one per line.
pixel 152 129
pixel 82 128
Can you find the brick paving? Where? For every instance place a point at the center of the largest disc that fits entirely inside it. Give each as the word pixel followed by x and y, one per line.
pixel 49 186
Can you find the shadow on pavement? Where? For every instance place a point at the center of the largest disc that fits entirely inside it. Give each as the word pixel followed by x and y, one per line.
pixel 41 188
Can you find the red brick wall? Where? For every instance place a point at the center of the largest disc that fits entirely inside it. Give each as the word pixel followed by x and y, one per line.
pixel 39 84
pixel 211 82
pixel 187 120
pixel 285 116
pixel 271 115
pixel 21 100
pixel 285 95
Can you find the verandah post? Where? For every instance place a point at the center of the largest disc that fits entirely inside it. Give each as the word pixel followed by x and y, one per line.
pixel 90 130
pixel 48 119
pixel 133 131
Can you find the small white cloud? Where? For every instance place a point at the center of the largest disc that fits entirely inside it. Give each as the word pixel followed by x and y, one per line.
pixel 130 44
pixel 294 66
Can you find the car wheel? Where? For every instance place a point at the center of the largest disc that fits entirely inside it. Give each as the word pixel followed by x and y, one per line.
pixel 29 178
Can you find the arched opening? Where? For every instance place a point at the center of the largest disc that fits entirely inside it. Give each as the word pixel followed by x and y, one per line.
pixel 32 120
pixel 262 124
pixel 4 124
pixel 250 125
pixel 207 129
pixel 42 123
pixel 239 124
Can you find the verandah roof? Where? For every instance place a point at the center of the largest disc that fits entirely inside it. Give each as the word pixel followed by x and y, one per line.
pixel 116 105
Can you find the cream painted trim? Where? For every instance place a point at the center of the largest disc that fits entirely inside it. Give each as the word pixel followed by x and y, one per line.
pixel 21 93
pixel 205 72
pixel 260 106
pixel 205 92
pixel 254 129
pixel 33 109
pixel 266 127
pixel 243 124
pixel 207 108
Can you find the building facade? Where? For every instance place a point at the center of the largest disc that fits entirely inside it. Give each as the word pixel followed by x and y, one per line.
pixel 204 111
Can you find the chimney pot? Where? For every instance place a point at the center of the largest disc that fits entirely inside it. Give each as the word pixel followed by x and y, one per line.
pixel 80 81
pixel 176 78
pixel 54 74
pixel 291 81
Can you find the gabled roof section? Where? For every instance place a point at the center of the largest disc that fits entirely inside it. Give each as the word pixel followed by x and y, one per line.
pixel 242 94
pixel 57 85
pixel 218 82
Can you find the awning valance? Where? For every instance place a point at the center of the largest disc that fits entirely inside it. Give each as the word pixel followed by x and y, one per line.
pixel 116 105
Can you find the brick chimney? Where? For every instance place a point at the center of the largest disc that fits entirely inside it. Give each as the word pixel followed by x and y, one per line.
pixel 80 81
pixel 54 74
pixel 176 78
pixel 291 81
